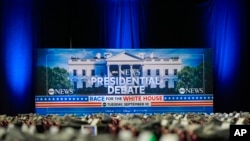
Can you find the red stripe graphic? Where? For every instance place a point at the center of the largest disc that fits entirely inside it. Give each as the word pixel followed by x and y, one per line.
pixel 185 103
pixel 67 104
pixel 99 104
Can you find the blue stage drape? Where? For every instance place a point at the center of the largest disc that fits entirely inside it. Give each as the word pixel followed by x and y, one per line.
pixel 123 23
pixel 227 36
pixel 17 54
pixel 224 23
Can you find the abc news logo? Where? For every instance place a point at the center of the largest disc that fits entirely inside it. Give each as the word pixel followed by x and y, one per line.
pixel 191 90
pixel 239 133
pixel 52 91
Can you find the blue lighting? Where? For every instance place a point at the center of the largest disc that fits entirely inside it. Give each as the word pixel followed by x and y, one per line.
pixel 123 23
pixel 224 36
pixel 17 44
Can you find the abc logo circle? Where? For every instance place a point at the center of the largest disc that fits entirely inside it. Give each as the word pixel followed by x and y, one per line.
pixel 181 90
pixel 51 91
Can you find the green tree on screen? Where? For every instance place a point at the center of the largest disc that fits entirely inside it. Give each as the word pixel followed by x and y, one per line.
pixel 57 78
pixel 190 77
pixel 196 77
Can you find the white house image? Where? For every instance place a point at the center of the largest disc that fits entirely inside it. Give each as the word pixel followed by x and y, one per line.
pixel 124 69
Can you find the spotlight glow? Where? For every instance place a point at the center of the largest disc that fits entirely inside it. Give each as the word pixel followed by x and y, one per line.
pixel 17 44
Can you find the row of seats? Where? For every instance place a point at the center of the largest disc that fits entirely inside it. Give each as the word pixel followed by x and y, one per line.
pixel 121 127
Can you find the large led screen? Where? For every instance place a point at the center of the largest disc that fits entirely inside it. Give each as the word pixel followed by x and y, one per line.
pixel 84 81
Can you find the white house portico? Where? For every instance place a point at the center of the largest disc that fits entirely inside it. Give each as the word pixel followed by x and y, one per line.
pixel 124 69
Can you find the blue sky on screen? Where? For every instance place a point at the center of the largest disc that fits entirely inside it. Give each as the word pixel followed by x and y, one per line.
pixel 58 57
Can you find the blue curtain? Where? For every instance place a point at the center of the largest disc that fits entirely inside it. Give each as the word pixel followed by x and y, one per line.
pixel 225 24
pixel 123 23
pixel 17 54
